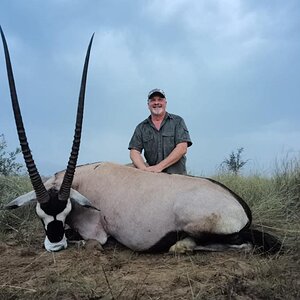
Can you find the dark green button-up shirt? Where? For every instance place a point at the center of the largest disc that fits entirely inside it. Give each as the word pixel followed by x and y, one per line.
pixel 158 144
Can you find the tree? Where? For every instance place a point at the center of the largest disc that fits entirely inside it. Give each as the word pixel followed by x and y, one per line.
pixel 234 163
pixel 8 164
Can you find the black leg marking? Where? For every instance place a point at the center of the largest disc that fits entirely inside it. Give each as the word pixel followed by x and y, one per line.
pixel 213 238
pixel 164 244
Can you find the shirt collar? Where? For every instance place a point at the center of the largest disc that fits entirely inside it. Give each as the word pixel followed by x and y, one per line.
pixel 149 121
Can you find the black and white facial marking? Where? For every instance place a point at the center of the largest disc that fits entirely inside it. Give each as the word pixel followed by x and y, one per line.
pixel 53 215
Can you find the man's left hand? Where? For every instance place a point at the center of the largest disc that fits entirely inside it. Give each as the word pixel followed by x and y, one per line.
pixel 154 169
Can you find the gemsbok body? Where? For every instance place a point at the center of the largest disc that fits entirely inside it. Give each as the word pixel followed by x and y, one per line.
pixel 144 211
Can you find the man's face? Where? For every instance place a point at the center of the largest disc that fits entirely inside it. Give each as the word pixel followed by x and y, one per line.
pixel 157 105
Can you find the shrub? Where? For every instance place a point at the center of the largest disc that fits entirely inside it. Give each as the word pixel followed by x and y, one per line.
pixel 8 164
pixel 234 163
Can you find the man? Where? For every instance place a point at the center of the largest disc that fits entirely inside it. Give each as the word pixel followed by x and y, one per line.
pixel 164 138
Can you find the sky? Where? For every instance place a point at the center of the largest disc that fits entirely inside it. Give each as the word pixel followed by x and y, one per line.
pixel 230 68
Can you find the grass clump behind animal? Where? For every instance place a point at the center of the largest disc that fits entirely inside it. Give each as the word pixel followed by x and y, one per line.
pixel 274 200
pixel 287 182
pixel 21 223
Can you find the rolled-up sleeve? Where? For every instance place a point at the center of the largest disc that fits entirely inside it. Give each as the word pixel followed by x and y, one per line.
pixel 182 134
pixel 136 141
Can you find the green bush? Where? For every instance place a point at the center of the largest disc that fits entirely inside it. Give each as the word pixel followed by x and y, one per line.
pixel 8 164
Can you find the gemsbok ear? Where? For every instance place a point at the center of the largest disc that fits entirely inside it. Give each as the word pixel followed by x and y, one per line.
pixel 21 200
pixel 81 200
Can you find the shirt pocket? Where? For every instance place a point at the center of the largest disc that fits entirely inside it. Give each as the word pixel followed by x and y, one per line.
pixel 168 142
pixel 150 148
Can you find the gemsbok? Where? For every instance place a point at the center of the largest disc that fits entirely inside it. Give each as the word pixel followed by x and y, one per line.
pixel 144 211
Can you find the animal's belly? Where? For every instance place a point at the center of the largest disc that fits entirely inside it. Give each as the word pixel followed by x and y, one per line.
pixel 138 234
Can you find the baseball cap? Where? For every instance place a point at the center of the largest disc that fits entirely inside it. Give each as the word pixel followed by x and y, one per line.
pixel 156 92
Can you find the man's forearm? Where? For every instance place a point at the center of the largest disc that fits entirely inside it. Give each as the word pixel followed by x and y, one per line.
pixel 174 156
pixel 137 159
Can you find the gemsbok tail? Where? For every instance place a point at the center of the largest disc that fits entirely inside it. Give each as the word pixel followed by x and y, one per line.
pixel 263 242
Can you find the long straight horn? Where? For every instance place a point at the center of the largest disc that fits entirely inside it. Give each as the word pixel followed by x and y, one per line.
pixel 39 188
pixel 64 192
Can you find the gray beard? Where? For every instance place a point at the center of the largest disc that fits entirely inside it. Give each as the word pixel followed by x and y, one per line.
pixel 157 111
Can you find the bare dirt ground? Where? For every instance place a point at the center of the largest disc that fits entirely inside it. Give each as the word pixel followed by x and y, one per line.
pixel 27 271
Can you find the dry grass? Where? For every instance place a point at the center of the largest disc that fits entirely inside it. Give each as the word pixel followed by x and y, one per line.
pixel 118 273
